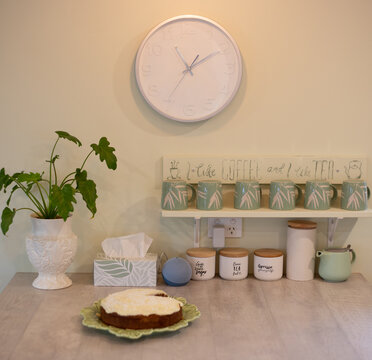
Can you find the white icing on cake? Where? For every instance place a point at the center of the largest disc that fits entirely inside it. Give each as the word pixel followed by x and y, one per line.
pixel 140 302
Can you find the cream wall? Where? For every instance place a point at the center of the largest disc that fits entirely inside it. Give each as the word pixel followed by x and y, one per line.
pixel 68 65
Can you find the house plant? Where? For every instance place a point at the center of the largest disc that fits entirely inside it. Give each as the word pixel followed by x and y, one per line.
pixel 52 244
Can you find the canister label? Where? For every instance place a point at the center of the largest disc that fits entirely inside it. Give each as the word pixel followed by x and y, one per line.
pixel 265 268
pixel 199 269
pixel 237 268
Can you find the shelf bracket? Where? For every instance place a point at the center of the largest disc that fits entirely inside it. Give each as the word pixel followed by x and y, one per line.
pixel 332 224
pixel 197 232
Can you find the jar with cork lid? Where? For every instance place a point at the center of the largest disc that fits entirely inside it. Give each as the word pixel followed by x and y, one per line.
pixel 301 242
pixel 233 263
pixel 203 262
pixel 268 264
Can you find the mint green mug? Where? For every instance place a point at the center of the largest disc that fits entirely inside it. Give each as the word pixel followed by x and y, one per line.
pixel 283 196
pixel 318 195
pixel 209 195
pixel 354 195
pixel 175 195
pixel 335 264
pixel 247 195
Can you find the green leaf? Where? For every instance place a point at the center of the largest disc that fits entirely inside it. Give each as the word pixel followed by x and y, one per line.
pixel 62 199
pixel 5 179
pixel 7 219
pixel 105 152
pixel 67 136
pixel 29 177
pixel 87 189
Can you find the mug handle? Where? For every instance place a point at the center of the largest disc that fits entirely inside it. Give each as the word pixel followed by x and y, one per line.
pixel 353 255
pixel 334 197
pixel 193 193
pixel 299 193
pixel 319 253
pixel 368 193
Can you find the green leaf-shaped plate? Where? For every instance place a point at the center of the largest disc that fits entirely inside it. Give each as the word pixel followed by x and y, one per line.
pixel 90 319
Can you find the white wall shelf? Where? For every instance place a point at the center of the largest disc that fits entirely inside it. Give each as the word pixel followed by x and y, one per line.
pixel 333 215
pixel 267 213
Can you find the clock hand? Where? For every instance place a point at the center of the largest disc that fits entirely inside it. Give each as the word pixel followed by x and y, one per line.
pixel 202 60
pixel 179 82
pixel 183 76
pixel 192 64
pixel 188 68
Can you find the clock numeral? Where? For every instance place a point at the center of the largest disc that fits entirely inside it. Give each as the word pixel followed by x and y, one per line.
pixel 224 89
pixel 168 102
pixel 209 33
pixel 209 103
pixel 189 110
pixel 153 50
pixel 188 29
pixel 146 70
pixel 168 34
pixel 223 46
pixel 230 68
pixel 153 90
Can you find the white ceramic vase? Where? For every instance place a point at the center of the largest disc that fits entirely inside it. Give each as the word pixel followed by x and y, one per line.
pixel 51 248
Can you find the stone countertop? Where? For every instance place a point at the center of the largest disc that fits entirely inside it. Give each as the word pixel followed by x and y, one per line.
pixel 240 319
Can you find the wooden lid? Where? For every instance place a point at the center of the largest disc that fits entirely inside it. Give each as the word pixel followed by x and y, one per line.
pixel 268 253
pixel 234 252
pixel 302 224
pixel 201 252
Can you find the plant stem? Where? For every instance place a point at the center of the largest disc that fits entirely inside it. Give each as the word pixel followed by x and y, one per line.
pixel 46 192
pixel 50 165
pixel 25 208
pixel 41 195
pixel 34 200
pixel 55 173
pixel 64 181
pixel 81 167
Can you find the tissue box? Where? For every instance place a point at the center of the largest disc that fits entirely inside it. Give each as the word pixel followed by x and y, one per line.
pixel 125 272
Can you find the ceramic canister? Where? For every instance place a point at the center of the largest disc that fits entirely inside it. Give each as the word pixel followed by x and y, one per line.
pixel 268 264
pixel 301 239
pixel 203 263
pixel 233 263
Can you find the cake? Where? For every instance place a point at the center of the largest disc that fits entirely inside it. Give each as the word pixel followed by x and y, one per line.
pixel 140 309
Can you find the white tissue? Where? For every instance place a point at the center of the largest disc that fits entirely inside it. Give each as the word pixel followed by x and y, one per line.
pixel 131 246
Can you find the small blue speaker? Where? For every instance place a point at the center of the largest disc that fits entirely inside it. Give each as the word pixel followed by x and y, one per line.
pixel 176 272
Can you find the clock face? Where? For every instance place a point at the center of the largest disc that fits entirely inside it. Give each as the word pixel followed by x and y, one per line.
pixel 188 68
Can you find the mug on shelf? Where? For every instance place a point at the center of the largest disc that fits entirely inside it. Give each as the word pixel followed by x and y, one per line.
pixel 247 195
pixel 209 195
pixel 283 196
pixel 318 195
pixel 354 195
pixel 175 195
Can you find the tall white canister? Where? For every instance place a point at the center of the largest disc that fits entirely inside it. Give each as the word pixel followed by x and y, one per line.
pixel 301 241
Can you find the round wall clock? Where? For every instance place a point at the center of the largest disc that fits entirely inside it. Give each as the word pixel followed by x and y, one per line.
pixel 188 68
